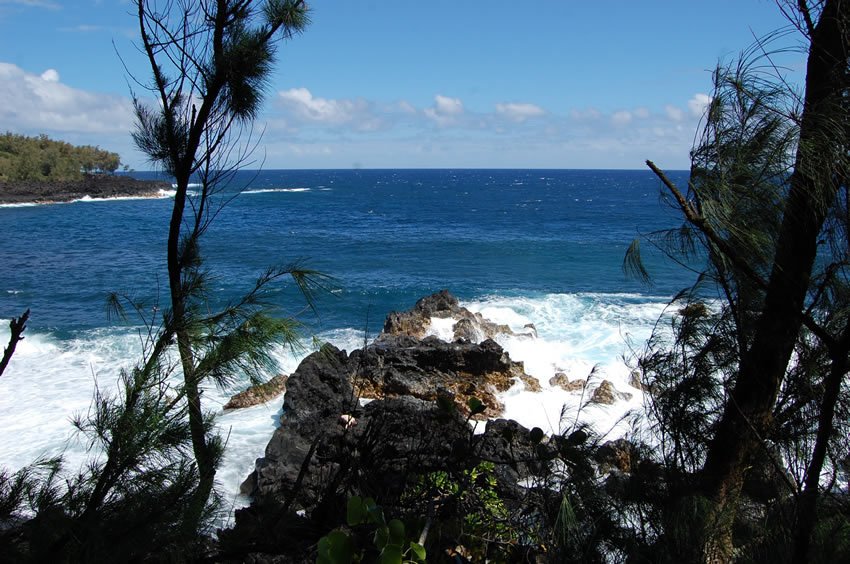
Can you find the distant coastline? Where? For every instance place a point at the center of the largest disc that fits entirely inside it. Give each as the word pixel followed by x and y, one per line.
pixel 93 186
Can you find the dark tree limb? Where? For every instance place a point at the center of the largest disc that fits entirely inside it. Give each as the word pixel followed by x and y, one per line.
pixel 17 325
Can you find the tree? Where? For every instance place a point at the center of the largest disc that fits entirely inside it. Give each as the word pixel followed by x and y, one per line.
pixel 210 61
pixel 133 500
pixel 763 232
pixel 41 158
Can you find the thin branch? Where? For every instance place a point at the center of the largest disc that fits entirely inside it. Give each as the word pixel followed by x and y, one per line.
pixel 17 326
pixel 698 221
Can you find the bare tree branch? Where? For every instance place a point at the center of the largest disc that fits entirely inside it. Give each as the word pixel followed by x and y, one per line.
pixel 17 326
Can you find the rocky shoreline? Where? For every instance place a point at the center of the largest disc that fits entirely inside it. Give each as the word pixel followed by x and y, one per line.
pixel 383 420
pixel 92 186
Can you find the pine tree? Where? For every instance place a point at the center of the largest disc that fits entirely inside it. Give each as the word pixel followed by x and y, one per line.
pixel 210 61
pixel 767 206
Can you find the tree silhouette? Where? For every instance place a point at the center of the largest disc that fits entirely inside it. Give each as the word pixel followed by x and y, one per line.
pixel 767 205
pixel 210 61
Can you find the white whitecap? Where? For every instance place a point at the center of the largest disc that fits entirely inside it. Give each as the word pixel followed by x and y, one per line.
pixel 274 190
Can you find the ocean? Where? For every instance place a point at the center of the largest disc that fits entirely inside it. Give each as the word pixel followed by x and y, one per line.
pixel 521 246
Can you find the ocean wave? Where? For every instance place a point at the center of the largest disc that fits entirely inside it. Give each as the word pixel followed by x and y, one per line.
pixel 158 195
pixel 51 379
pixel 88 199
pixel 274 190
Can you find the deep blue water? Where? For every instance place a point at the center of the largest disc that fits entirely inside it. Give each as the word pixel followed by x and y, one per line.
pixel 388 237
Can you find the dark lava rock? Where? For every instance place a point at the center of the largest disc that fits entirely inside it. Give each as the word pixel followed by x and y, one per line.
pixel 329 446
pixel 405 366
pixel 92 185
pixel 514 452
pixel 317 394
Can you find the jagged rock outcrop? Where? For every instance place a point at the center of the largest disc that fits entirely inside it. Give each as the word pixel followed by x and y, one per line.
pixel 318 392
pixel 514 452
pixel 563 381
pixel 330 445
pixel 401 365
pixel 416 322
pixel 259 393
pixel 387 437
pixel 421 389
pixel 607 394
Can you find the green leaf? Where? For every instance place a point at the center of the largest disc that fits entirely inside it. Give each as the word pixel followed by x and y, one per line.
pixel 382 536
pixel 391 555
pixel 396 529
pixel 357 512
pixel 417 551
pixel 334 548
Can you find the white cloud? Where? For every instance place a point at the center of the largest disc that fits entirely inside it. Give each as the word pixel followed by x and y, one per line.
pixel 300 107
pixel 519 112
pixel 448 106
pixel 50 75
pixel 510 134
pixel 311 108
pixel 445 110
pixel 698 104
pixel 406 107
pixel 33 104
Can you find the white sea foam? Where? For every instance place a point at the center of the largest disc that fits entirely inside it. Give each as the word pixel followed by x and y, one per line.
pixel 585 336
pixel 87 199
pixel 158 194
pixel 50 380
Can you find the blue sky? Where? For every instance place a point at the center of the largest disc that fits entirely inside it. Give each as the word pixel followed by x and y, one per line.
pixel 413 84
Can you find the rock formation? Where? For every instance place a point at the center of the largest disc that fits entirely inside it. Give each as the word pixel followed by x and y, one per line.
pixel 607 394
pixel 562 381
pixel 331 443
pixel 259 393
pixel 472 327
pixel 92 185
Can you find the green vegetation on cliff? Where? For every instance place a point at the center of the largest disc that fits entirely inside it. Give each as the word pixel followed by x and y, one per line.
pixel 25 158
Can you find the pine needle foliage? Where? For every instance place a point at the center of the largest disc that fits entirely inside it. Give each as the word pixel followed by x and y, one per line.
pixel 744 385
pixel 210 64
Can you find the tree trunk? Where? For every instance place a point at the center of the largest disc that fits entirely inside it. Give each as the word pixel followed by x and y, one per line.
pixel 200 445
pixel 747 413
pixel 807 503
